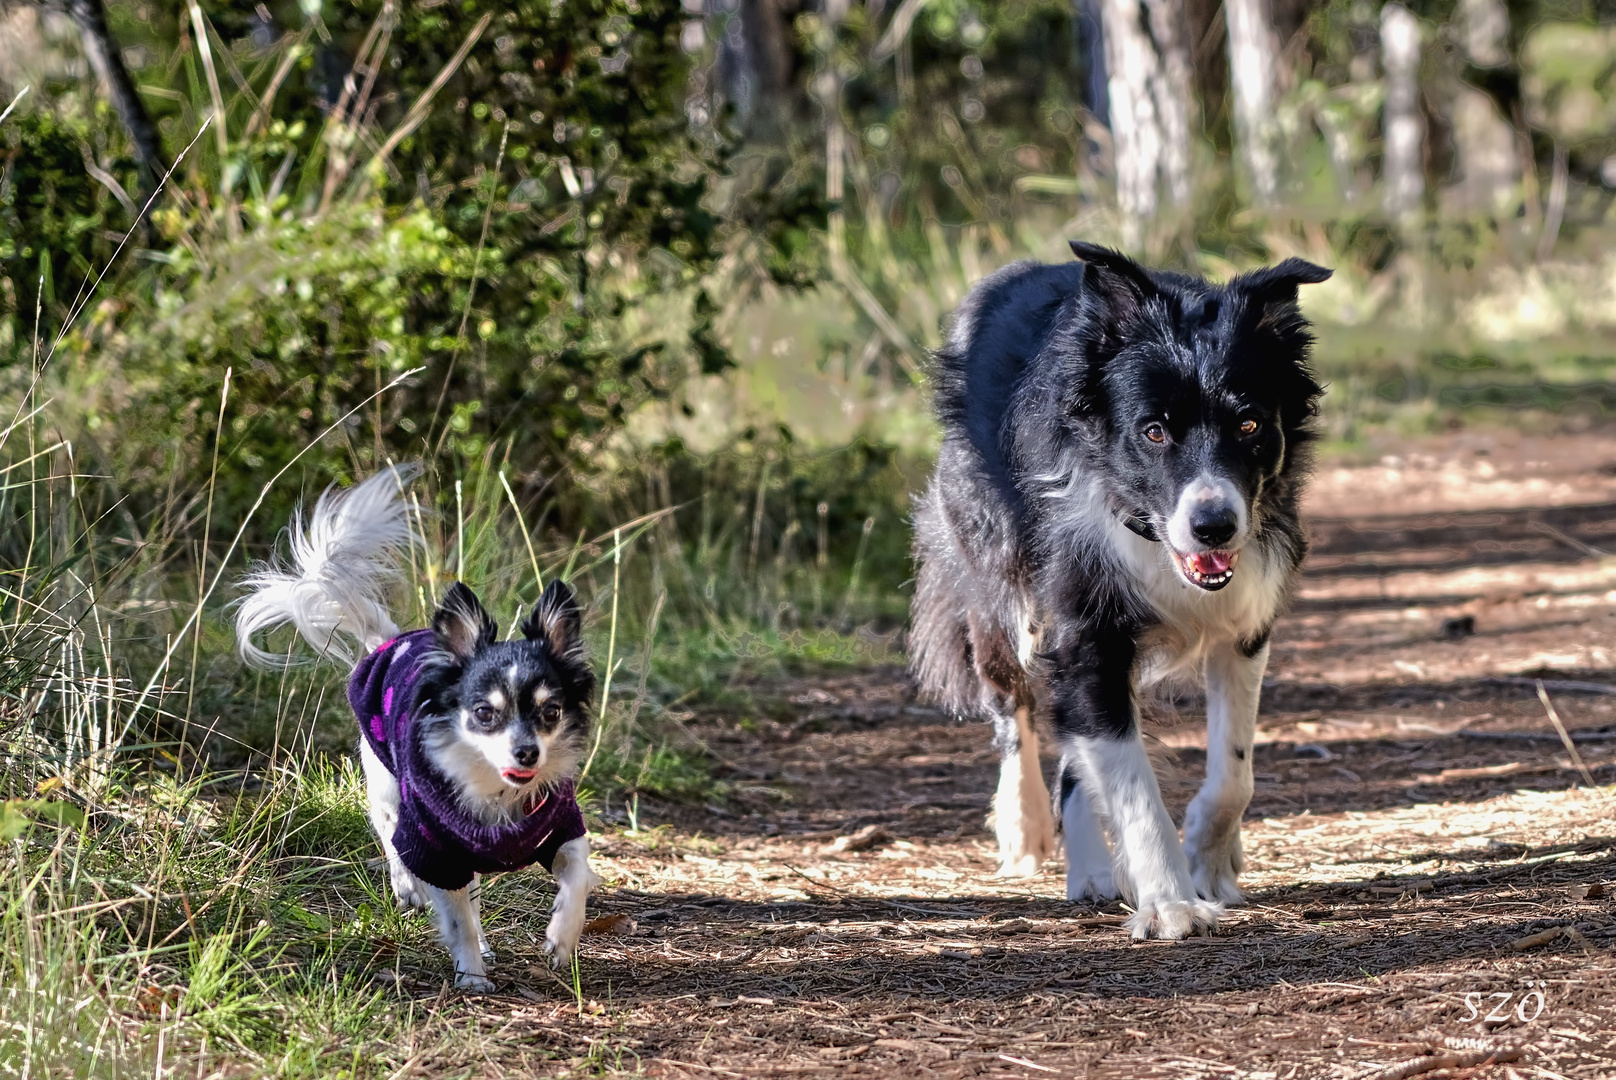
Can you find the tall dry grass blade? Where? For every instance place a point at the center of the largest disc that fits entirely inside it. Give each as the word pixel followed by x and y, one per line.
pixel 471 292
pixel 460 532
pixel 611 652
pixel 221 132
pixel 83 300
pixel 202 555
pixel 13 105
pixel 260 115
pixel 418 111
pixel 527 537
pixel 337 133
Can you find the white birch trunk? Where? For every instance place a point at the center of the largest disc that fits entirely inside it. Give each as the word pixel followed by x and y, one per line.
pixel 1252 53
pixel 1174 94
pixel 1403 171
pixel 1489 168
pixel 1149 90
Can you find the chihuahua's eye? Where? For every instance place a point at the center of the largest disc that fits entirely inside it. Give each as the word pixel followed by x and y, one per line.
pixel 1155 433
pixel 1249 426
pixel 549 713
pixel 485 713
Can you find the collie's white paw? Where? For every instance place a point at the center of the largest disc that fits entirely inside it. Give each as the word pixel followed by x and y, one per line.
pixel 476 984
pixel 1171 920
pixel 1091 884
pixel 1212 845
pixel 1025 826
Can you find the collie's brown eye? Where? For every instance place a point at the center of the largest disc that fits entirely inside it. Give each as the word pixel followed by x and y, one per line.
pixel 1248 426
pixel 1156 433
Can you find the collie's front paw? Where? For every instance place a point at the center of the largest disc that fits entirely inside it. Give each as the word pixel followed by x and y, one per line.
pixel 1171 920
pixel 1026 840
pixel 1215 867
pixel 1091 884
pixel 476 984
pixel 1212 845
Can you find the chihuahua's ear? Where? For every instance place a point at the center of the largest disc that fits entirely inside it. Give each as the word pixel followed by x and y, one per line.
pixel 556 620
pixel 461 624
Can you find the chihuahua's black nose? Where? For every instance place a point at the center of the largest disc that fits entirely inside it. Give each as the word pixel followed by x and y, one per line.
pixel 527 756
pixel 1213 525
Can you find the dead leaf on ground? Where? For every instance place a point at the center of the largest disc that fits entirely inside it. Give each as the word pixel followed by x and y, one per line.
pixel 612 926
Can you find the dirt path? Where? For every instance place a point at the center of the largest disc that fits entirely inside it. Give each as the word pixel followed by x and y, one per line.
pixel 1421 852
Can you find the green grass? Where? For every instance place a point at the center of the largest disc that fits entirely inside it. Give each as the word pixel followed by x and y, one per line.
pixel 188 879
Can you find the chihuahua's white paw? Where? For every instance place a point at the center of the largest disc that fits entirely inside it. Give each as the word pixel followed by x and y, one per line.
pixel 409 890
pixel 476 984
pixel 1171 920
pixel 561 938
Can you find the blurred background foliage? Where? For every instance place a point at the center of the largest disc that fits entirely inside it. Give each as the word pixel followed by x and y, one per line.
pixel 639 254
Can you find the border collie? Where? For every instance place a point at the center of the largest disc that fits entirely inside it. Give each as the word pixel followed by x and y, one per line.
pixel 469 744
pixel 1115 502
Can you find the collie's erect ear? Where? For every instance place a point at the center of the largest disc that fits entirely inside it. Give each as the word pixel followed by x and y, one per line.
pixel 461 624
pixel 1278 283
pixel 1122 282
pixel 556 620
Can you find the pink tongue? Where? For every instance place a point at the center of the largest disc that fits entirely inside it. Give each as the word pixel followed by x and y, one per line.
pixel 1210 563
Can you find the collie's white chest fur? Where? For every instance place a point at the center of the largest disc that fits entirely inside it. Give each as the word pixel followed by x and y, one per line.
pixel 1194 621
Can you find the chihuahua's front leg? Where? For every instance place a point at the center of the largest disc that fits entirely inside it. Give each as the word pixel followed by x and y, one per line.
pixel 462 933
pixel 574 882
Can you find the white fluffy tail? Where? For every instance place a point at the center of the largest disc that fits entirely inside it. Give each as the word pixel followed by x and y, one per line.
pixel 342 566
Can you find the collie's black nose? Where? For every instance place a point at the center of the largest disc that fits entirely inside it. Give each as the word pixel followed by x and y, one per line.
pixel 526 756
pixel 1214 525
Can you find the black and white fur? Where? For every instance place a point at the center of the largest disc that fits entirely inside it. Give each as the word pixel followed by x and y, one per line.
pixel 1115 502
pixel 508 719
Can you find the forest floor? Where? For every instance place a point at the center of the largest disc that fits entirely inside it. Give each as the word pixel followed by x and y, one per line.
pixel 1425 859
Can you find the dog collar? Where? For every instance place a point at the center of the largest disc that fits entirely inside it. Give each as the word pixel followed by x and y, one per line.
pixel 1137 524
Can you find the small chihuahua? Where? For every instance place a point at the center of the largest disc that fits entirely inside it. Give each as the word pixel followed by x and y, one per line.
pixel 469 744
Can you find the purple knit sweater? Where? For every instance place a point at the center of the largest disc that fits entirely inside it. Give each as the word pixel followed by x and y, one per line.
pixel 437 838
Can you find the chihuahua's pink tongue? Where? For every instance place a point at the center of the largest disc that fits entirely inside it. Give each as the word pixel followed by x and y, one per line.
pixel 1210 563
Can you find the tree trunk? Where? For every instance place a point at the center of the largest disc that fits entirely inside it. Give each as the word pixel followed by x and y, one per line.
pixel 1489 168
pixel 1149 95
pixel 1174 91
pixel 107 62
pixel 1403 171
pixel 1251 75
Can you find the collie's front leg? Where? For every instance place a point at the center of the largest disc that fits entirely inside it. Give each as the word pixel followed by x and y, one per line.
pixel 1212 824
pixel 1022 818
pixel 1150 865
pixel 574 882
pixel 1088 857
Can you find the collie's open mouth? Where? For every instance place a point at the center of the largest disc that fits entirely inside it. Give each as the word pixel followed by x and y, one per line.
pixel 518 777
pixel 1209 570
